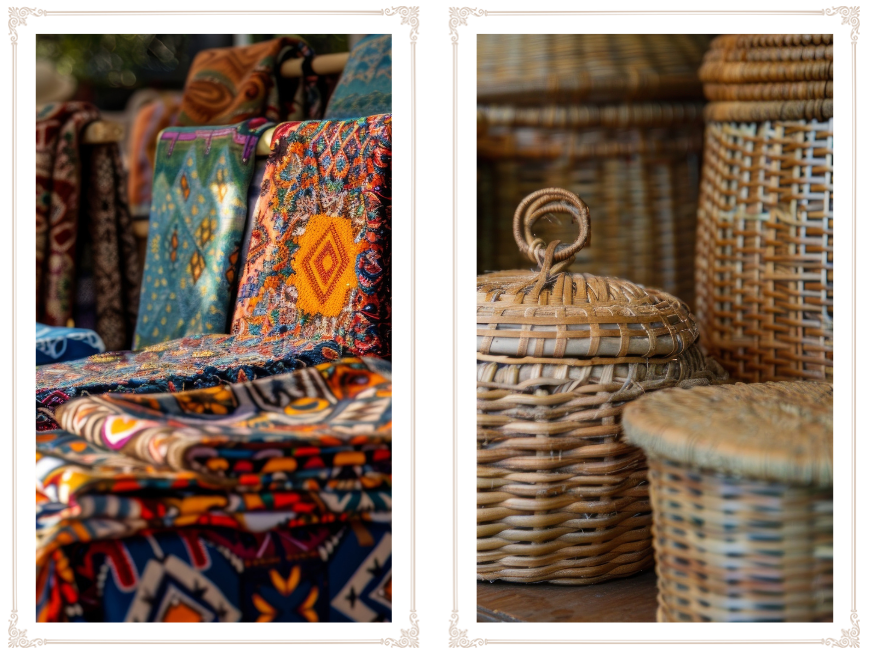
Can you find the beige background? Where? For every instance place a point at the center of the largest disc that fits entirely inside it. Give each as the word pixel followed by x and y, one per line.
pixel 457 483
pixel 325 639
pixel 465 24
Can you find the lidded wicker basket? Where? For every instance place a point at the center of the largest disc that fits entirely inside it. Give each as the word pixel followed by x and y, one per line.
pixel 742 496
pixel 764 272
pixel 561 497
pixel 616 119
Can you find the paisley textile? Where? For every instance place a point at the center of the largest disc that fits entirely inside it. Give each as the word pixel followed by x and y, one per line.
pixel 196 228
pixel 188 363
pixel 230 85
pixel 365 87
pixel 318 264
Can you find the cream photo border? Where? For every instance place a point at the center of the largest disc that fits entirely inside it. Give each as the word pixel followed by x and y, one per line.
pixel 449 558
pixel 86 639
pixel 464 23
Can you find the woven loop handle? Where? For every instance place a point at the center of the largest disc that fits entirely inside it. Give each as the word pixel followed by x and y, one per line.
pixel 544 202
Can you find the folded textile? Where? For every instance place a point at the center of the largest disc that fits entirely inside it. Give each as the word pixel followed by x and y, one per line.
pixel 65 225
pixel 340 572
pixel 319 261
pixel 148 122
pixel 235 430
pixel 55 344
pixel 275 483
pixel 230 85
pixel 195 232
pixel 188 363
pixel 365 87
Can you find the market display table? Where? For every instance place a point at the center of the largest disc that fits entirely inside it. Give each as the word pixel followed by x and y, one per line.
pixel 621 600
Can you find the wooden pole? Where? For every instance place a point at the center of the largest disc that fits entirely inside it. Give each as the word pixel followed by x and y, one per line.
pixel 103 132
pixel 320 64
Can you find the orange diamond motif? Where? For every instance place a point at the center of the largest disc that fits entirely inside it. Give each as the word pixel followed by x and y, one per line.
pixel 324 265
pixel 221 187
pixel 197 266
pixel 234 263
pixel 206 231
pixel 185 186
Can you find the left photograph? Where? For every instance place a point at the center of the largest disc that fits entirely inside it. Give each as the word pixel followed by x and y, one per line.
pixel 213 328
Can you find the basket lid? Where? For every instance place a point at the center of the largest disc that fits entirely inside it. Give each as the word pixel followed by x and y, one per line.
pixel 780 431
pixel 764 77
pixel 552 315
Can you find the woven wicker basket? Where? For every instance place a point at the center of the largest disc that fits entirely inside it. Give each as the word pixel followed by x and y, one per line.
pixel 741 488
pixel 561 497
pixel 764 279
pixel 617 119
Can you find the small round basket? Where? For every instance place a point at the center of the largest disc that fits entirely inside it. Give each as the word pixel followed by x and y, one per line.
pixel 742 498
pixel 561 497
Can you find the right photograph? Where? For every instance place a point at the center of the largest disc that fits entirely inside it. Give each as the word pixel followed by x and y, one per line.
pixel 655 258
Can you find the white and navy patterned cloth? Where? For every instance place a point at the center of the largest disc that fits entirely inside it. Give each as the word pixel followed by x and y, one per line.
pixel 57 344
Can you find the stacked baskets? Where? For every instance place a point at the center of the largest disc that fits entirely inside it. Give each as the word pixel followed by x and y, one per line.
pixel 741 481
pixel 765 285
pixel 616 119
pixel 561 496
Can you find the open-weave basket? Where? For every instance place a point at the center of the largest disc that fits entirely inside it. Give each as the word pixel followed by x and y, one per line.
pixel 561 497
pixel 764 277
pixel 617 119
pixel 741 488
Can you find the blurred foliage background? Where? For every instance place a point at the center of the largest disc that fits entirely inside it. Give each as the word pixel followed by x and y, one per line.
pixel 109 68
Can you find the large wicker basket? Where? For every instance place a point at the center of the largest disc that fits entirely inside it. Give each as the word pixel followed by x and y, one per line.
pixel 561 497
pixel 742 495
pixel 765 276
pixel 617 119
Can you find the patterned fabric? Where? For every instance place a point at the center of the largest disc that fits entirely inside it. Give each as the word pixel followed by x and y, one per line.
pixel 259 501
pixel 114 256
pixel 196 228
pixel 188 363
pixel 58 188
pixel 366 85
pixel 54 344
pixel 149 121
pixel 87 266
pixel 234 430
pixel 323 573
pixel 395 220
pixel 230 85
pixel 318 265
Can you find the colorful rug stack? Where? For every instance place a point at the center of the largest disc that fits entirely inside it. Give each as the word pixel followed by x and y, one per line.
pixel 259 501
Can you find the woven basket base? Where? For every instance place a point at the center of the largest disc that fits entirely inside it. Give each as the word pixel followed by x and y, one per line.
pixel 580 576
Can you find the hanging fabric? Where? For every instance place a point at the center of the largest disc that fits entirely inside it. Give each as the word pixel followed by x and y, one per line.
pixel 147 124
pixel 365 87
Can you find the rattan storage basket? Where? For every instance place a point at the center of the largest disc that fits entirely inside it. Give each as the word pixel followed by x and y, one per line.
pixel 561 497
pixel 741 488
pixel 765 277
pixel 617 119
